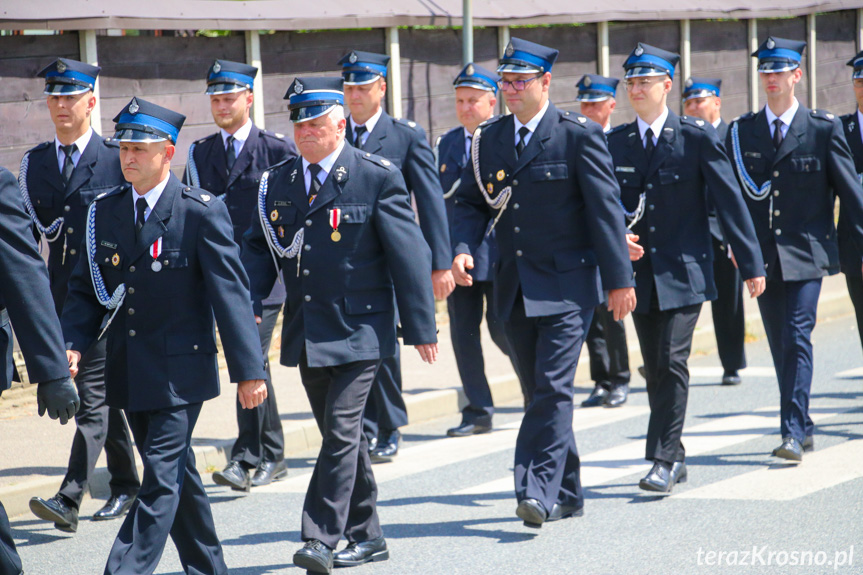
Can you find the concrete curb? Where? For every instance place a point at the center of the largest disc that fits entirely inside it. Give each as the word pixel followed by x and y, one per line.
pixel 303 435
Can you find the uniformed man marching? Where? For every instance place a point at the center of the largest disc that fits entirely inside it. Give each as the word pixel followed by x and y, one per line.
pixel 850 256
pixel 544 178
pixel 160 257
pixel 475 99
pixel 25 298
pixel 402 142
pixel 701 99
pixel 229 164
pixel 606 338
pixel 338 223
pixel 664 163
pixel 58 180
pixel 790 162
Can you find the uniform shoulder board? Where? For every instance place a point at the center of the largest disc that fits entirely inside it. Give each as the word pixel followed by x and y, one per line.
pixel 690 121
pixel 41 146
pixel 275 167
pixel 111 142
pixel 491 120
pixel 113 191
pixel 409 123
pixel 824 115
pixel 744 117
pixel 378 161
pixel 618 129
pixel 210 137
pixel 276 135
pixel 574 117
pixel 202 196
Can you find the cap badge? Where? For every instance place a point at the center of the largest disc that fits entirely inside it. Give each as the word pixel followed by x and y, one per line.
pixel 298 87
pixel 133 106
pixel 770 44
pixel 587 82
pixel 639 51
pixel 205 197
pixel 61 66
pixel 469 70
pixel 217 67
pixel 689 83
pixel 509 50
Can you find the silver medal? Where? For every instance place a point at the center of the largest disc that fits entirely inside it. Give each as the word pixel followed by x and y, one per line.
pixel 156 266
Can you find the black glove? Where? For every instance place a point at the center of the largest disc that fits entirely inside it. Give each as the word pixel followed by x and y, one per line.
pixel 59 398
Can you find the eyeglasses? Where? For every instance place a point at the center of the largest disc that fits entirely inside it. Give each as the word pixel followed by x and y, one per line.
pixel 640 83
pixel 517 85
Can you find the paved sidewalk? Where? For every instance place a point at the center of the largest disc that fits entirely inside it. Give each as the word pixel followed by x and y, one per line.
pixel 34 451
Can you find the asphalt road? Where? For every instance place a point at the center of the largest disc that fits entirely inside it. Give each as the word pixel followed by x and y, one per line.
pixel 447 504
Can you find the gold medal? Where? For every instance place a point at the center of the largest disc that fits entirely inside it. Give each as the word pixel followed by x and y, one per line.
pixel 500 175
pixel 281 231
pixel 490 188
pixel 274 215
pixel 336 236
pixel 115 260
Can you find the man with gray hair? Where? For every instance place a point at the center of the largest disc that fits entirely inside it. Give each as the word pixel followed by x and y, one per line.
pixel 338 223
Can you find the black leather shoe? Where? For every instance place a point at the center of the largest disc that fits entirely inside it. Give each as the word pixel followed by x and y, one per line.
pixel 663 478
pixel 373 444
pixel 315 557
pixel 617 396
pixel 64 516
pixel 269 471
pixel 596 398
pixel 467 428
pixel 731 378
pixel 117 506
pixel 790 449
pixel 388 447
pixel 358 553
pixel 808 443
pixel 642 372
pixel 559 511
pixel 234 476
pixel 532 512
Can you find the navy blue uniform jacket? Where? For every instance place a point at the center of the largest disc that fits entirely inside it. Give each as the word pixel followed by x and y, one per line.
pixel 340 305
pixel 98 171
pixel 239 189
pixel 563 229
pixel 678 252
pixel 850 256
pixel 812 164
pixel 403 142
pixel 161 344
pixel 451 161
pixel 25 295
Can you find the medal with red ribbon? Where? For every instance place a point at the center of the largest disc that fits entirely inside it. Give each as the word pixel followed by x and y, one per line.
pixel 335 220
pixel 156 251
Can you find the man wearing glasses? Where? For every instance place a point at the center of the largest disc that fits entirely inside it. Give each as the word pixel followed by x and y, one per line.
pixel 543 177
pixel 663 163
pixel 790 161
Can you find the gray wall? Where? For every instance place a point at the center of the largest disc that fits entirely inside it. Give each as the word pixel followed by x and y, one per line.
pixel 170 70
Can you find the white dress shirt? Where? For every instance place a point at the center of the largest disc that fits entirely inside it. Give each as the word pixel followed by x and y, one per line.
pixel 786 118
pixel 656 126
pixel 152 197
pixel 370 125
pixel 240 137
pixel 531 124
pixel 326 166
pixel 80 143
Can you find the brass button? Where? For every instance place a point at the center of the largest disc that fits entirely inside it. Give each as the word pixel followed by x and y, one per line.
pixel 67 208
pixel 649 186
pixel 653 250
pixel 347 217
pixel 516 229
pixel 308 223
pixel 368 306
pixel 778 232
pixel 518 253
pixel 131 333
pixel 650 207
pixel 131 290
pixel 73 251
pixel 652 229
pixel 515 182
pixel 195 347
pixel 776 174
pixel 131 311
pixel 308 298
pixel 775 193
pixel 305 272
pixel 70 231
pixel 515 206
pixel 132 268
pixel 776 212
pixel 307 247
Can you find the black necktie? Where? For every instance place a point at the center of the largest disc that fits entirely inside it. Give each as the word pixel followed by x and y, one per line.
pixel 522 135
pixel 140 209
pixel 232 154
pixel 777 133
pixel 358 136
pixel 314 170
pixel 648 144
pixel 68 164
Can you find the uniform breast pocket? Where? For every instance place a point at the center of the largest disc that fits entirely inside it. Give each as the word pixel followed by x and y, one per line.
pixel 548 172
pixel 629 179
pixel 109 259
pixel 351 218
pixel 41 198
pixel 805 164
pixel 174 259
pixel 283 215
pixel 673 175
pixel 755 165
